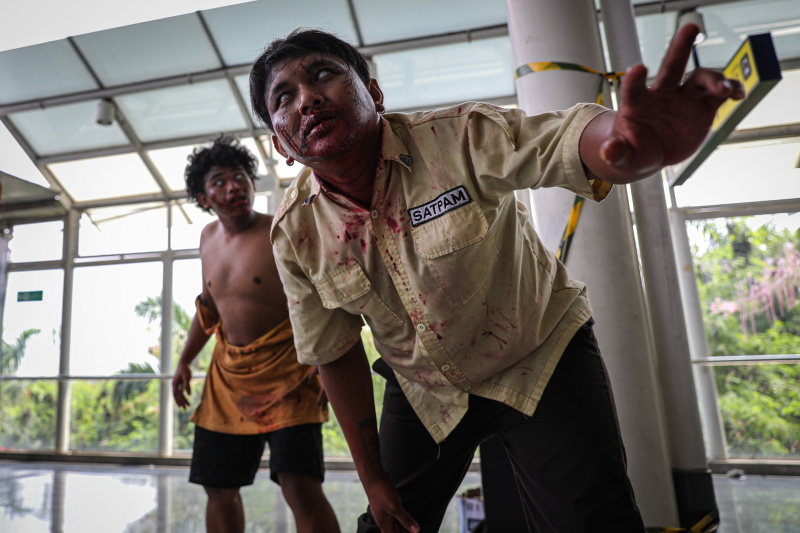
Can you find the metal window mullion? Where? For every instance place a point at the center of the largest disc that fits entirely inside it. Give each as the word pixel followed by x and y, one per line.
pixel 166 407
pixel 71 234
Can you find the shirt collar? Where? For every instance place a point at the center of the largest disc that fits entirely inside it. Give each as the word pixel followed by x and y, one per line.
pixel 393 147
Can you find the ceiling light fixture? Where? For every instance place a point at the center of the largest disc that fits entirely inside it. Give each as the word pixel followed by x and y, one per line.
pixel 105 113
pixel 693 17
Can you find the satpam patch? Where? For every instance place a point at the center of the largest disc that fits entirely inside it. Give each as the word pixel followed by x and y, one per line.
pixel 441 205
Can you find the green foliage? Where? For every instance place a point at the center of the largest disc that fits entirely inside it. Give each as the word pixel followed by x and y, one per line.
pixel 333 441
pixel 12 354
pixel 760 404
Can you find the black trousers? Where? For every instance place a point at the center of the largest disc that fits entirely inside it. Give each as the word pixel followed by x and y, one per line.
pixel 568 458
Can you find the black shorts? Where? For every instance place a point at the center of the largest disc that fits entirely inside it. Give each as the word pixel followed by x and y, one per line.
pixel 225 461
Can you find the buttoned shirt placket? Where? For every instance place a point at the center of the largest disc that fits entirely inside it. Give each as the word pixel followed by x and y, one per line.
pixel 392 259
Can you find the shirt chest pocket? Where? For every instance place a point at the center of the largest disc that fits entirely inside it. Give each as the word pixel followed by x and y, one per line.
pixel 349 289
pixel 459 250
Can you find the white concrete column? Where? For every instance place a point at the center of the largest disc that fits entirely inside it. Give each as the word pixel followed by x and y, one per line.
pixel 603 253
pixel 668 324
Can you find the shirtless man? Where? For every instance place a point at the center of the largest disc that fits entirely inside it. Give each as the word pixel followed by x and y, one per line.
pixel 255 390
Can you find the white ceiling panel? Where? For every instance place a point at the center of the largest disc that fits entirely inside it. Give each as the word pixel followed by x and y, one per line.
pixel 730 24
pixel 384 21
pixel 184 111
pixel 105 177
pixel 151 50
pixel 40 71
pixel 242 31
pixel 446 74
pixel 67 128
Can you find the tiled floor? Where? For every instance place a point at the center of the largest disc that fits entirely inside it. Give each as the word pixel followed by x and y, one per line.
pixel 38 497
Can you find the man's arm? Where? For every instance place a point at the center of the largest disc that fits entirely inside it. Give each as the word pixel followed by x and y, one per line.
pixel 348 383
pixel 658 125
pixel 195 340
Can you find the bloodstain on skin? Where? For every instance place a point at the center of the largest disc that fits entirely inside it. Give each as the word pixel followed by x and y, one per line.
pixel 256 280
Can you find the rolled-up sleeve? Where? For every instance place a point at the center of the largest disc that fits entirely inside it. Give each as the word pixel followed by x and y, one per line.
pixel 512 151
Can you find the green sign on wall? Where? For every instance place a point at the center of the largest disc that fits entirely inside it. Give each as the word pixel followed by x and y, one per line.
pixel 29 296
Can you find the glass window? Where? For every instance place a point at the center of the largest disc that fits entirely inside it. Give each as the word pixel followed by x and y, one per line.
pixel 58 70
pixel 203 108
pixel 242 31
pixel 111 330
pixel 655 33
pixel 429 18
pixel 67 128
pixel 446 74
pixel 748 278
pixel 105 177
pixel 744 173
pixel 730 23
pixel 28 416
pixel 114 415
pixel 188 221
pixel 779 106
pixel 171 163
pixel 32 323
pixel 37 242
pixel 124 229
pixel 136 53
pixel 187 283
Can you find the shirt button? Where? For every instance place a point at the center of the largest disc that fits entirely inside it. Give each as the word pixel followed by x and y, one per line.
pixel 445 368
pixel 421 327
pixel 374 214
pixel 293 194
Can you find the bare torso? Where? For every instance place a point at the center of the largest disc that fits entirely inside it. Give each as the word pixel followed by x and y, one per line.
pixel 240 276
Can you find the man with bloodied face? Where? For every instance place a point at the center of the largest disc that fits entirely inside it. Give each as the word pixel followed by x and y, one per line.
pixel 256 391
pixel 409 220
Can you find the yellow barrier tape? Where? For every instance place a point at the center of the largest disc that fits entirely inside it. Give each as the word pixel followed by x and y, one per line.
pixel 572 224
pixel 543 66
pixel 707 524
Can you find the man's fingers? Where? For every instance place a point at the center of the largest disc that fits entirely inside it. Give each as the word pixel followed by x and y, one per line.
pixel 409 523
pixel 634 85
pixel 616 153
pixel 673 66
pixel 713 83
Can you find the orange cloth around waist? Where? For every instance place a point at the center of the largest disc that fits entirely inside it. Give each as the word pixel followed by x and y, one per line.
pixel 256 388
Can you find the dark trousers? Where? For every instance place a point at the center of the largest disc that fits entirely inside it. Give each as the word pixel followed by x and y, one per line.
pixel 568 458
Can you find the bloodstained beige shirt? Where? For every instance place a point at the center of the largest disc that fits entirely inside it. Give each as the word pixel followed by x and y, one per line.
pixel 445 267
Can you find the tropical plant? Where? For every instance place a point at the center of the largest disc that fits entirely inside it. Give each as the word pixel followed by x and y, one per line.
pixel 749 283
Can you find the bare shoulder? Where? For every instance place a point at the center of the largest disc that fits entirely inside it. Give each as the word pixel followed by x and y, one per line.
pixel 209 232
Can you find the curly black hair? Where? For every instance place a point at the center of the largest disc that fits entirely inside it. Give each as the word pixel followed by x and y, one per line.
pixel 224 152
pixel 299 43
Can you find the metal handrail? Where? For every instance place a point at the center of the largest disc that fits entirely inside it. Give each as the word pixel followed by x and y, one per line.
pixel 732 360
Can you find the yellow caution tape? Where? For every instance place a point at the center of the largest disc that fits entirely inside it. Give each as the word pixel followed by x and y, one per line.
pixel 543 66
pixel 707 524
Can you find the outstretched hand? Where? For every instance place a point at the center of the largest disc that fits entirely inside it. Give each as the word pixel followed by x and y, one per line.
pixel 658 125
